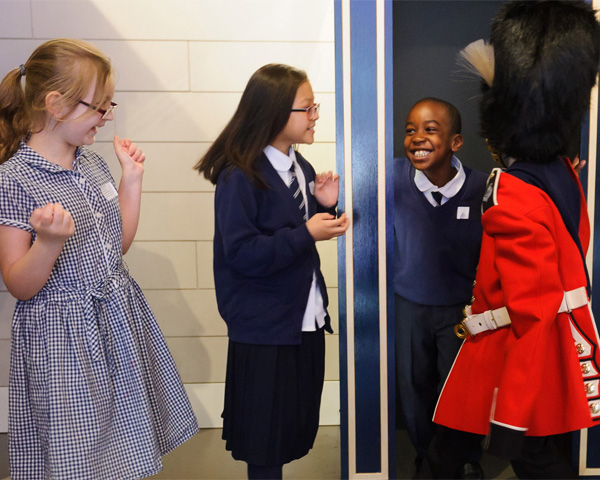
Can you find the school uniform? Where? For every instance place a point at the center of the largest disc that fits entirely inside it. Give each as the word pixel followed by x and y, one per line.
pixel 94 392
pixel 538 374
pixel 266 269
pixel 435 259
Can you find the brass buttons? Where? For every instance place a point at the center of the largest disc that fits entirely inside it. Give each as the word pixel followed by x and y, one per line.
pixel 585 368
pixel 590 388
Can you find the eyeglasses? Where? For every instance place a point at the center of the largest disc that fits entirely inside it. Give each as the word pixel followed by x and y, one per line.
pixel 101 111
pixel 311 111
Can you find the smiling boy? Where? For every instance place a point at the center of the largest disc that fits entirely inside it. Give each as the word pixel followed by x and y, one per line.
pixel 437 237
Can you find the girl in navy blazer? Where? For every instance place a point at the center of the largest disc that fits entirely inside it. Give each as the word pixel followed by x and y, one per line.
pixel 270 209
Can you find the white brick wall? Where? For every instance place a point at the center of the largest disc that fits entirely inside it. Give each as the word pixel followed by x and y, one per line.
pixel 181 67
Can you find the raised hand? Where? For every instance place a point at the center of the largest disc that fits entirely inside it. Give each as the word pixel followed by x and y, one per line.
pixel 132 160
pixel 578 164
pixel 324 226
pixel 327 188
pixel 52 223
pixel 130 155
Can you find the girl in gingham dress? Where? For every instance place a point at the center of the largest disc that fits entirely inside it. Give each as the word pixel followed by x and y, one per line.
pixel 94 392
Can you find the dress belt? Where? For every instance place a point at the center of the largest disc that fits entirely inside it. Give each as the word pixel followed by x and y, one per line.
pixel 473 324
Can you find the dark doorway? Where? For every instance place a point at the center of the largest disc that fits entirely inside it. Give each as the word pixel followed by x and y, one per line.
pixel 427 38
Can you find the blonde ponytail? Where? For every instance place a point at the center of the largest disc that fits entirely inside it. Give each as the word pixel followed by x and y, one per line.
pixel 14 121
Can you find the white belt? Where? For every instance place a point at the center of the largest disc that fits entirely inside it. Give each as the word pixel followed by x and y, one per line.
pixel 573 299
pixel 494 319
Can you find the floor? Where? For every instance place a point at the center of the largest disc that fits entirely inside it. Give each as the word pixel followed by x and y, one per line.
pixel 205 457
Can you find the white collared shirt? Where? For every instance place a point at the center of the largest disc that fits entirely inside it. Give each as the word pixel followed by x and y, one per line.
pixel 282 163
pixel 448 190
pixel 315 311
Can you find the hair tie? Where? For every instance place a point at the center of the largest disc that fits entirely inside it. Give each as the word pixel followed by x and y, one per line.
pixel 22 70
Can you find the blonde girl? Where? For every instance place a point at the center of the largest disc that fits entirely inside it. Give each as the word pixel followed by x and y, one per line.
pixel 94 392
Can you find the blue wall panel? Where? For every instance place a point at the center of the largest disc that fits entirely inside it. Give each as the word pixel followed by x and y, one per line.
pixel 389 221
pixel 339 122
pixel 366 274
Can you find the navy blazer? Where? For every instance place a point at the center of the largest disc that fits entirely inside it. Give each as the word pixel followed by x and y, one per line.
pixel 264 256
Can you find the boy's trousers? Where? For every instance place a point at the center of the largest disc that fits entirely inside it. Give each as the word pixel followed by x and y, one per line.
pixel 426 347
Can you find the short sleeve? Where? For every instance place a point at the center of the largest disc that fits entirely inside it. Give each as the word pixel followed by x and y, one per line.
pixel 16 205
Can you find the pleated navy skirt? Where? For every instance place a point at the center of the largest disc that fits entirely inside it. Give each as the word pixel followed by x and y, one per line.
pixel 272 399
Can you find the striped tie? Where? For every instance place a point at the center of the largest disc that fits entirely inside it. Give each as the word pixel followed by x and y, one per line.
pixel 295 188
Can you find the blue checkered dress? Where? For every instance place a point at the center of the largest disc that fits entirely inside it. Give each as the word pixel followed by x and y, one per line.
pixel 94 392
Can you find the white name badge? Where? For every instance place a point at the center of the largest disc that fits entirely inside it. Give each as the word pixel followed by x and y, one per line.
pixel 462 213
pixel 109 191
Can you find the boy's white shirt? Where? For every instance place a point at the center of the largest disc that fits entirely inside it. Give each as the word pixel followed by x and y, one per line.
pixel 315 311
pixel 448 190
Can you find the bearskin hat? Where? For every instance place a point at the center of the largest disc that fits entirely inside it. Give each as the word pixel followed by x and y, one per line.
pixel 546 56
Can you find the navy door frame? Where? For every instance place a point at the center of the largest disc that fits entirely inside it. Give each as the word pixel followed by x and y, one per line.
pixel 364 123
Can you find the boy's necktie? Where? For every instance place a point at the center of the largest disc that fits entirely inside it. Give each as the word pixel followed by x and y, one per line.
pixel 437 196
pixel 295 189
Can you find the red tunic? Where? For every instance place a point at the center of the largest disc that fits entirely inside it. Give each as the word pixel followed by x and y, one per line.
pixel 526 377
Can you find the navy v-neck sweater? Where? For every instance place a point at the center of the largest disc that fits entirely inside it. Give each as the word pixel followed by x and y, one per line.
pixel 436 249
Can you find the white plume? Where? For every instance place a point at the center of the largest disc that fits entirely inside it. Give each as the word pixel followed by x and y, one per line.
pixel 478 57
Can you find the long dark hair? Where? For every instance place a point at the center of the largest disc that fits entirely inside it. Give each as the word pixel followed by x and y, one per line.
pixel 262 113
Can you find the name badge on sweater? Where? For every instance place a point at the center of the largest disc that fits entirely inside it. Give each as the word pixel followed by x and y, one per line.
pixel 462 213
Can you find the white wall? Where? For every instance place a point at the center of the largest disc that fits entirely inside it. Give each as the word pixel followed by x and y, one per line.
pixel 181 66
